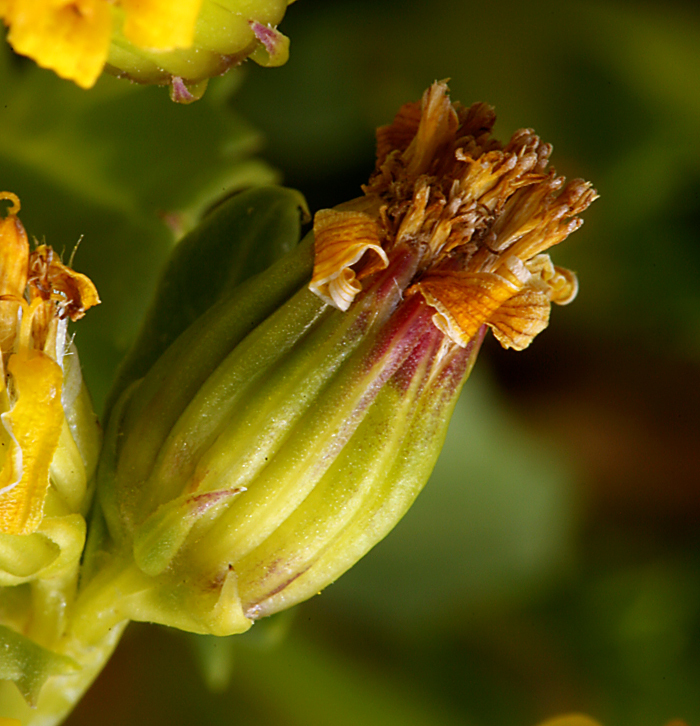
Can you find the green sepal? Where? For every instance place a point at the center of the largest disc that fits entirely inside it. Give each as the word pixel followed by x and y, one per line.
pixel 29 665
pixel 238 239
pixel 274 51
pixel 22 557
pixel 53 550
pixel 158 540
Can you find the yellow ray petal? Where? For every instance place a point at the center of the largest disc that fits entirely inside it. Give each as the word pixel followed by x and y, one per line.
pixel 14 261
pixel 342 238
pixel 70 36
pixel 161 24
pixel 33 426
pixel 561 284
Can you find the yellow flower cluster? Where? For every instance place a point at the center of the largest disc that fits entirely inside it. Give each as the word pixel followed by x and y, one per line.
pixel 72 37
pixel 38 294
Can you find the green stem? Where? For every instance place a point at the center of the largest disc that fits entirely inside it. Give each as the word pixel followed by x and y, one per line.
pixel 108 600
pixel 60 694
pixel 50 602
pixel 86 632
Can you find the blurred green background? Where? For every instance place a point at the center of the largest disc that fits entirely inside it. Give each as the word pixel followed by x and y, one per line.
pixel 552 563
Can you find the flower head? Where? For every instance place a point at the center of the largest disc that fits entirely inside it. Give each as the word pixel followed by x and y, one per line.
pixel 38 295
pixel 152 41
pixel 290 428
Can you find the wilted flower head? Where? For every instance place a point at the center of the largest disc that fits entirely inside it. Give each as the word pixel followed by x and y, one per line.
pixel 475 215
pixel 180 43
pixel 289 429
pixel 42 424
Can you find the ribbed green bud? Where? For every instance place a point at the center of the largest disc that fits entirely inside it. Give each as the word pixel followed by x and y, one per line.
pixel 275 421
pixel 289 428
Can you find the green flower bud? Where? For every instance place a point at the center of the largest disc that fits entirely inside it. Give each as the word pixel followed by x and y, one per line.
pixel 289 428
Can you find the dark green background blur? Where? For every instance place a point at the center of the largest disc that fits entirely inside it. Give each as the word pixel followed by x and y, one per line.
pixel 553 562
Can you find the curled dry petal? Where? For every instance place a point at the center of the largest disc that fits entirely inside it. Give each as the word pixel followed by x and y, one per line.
pixel 463 300
pixel 341 240
pixel 50 279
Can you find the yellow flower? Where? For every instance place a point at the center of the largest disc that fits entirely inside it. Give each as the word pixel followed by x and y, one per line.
pixel 72 37
pixel 38 294
pixel 579 719
pixel 572 719
pixel 150 41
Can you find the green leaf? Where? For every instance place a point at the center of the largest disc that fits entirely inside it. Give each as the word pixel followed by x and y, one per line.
pixel 28 664
pixel 244 235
